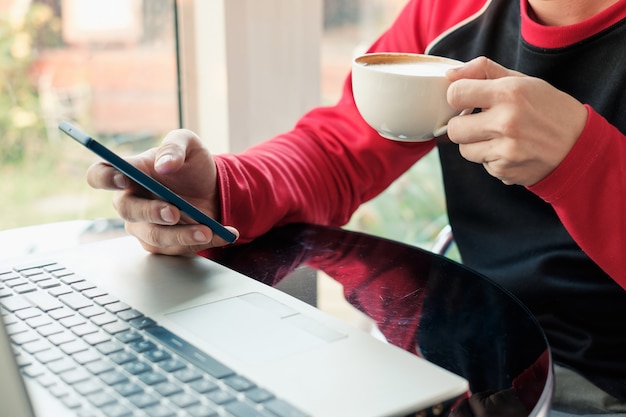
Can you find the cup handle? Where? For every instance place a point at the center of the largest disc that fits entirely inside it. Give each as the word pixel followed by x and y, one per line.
pixel 444 129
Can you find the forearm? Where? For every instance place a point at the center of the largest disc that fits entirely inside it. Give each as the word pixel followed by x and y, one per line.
pixel 587 192
pixel 320 172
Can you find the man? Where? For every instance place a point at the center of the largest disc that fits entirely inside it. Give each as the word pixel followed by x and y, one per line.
pixel 534 182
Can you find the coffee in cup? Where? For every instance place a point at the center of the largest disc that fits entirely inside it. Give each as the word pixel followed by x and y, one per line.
pixel 403 96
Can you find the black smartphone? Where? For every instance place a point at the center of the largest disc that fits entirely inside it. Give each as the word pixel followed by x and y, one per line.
pixel 146 181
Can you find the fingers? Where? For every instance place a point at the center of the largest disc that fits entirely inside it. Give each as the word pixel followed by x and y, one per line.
pixel 176 240
pixel 103 176
pixel 176 145
pixel 480 68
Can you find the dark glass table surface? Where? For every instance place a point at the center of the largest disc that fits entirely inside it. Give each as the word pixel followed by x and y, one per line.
pixel 421 302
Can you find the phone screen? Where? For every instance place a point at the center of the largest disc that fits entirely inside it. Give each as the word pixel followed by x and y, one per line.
pixel 146 181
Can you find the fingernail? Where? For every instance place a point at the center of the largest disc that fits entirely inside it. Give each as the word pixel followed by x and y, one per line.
pixel 163 160
pixel 120 181
pixel 199 237
pixel 167 215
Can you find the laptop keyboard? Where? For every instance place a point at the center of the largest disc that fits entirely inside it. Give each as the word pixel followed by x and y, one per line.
pixel 101 357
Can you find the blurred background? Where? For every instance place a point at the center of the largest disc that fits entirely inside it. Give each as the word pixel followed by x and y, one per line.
pixel 114 67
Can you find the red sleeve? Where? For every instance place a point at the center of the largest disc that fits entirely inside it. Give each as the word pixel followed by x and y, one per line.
pixel 331 162
pixel 587 192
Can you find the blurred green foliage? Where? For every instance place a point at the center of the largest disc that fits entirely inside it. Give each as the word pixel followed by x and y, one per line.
pixel 22 130
pixel 412 210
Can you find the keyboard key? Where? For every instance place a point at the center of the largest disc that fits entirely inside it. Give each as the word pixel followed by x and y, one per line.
pixel 27 313
pixel 105 299
pixel 187 374
pixel 144 400
pixel 239 409
pixel 168 388
pixel 110 347
pixel 50 329
pixel 75 375
pixel 36 346
pixel 142 322
pixel 152 378
pixel 44 301
pixel 142 345
pixel 201 410
pixel 259 395
pixel 38 321
pixel 83 285
pixel 116 410
pixel 137 367
pixel 25 289
pixel 71 401
pixel 220 397
pixel 60 290
pixel 94 292
pixel 126 389
pixel 38 264
pixel 113 377
pixel 239 383
pixel 184 400
pixel 203 385
pixel 96 338
pixel 67 277
pixel 128 336
pixel 72 321
pixel 160 411
pixel 61 337
pixel 116 327
pixel 99 367
pixel 283 409
pixel 61 313
pixel 171 365
pixel 122 357
pixel 117 307
pixel 102 319
pixel 91 311
pixel 84 329
pixel 87 356
pixel 15 303
pixel 48 283
pixel 90 386
pixel 75 301
pixel 100 399
pixel 74 346
pixel 24 337
pixel 157 355
pixel 16 282
pixel 49 355
pixel 62 365
pixel 129 314
pixel 189 352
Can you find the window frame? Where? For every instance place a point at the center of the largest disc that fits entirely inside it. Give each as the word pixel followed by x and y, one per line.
pixel 248 69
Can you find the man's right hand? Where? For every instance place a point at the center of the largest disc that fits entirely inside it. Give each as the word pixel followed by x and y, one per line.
pixel 182 164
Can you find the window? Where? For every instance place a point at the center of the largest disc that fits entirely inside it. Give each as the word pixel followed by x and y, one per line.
pixel 128 71
pixel 109 65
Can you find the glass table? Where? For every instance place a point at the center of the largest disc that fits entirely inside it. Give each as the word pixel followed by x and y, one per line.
pixel 412 298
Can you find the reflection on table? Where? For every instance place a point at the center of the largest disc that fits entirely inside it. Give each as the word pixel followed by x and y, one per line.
pixel 419 301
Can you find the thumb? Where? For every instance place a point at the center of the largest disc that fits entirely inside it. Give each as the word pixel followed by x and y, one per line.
pixel 481 68
pixel 171 154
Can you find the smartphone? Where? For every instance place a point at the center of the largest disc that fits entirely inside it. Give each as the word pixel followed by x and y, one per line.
pixel 146 181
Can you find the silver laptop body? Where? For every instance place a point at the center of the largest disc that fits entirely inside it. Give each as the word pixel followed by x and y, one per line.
pixel 305 362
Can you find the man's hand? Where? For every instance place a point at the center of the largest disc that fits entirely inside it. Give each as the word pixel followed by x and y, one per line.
pixel 182 164
pixel 526 127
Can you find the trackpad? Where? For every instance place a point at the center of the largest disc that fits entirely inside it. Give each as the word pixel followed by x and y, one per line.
pixel 254 328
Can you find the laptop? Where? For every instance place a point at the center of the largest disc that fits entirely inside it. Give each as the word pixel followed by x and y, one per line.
pixel 106 329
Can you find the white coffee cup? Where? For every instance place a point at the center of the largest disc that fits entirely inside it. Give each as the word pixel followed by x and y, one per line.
pixel 403 96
